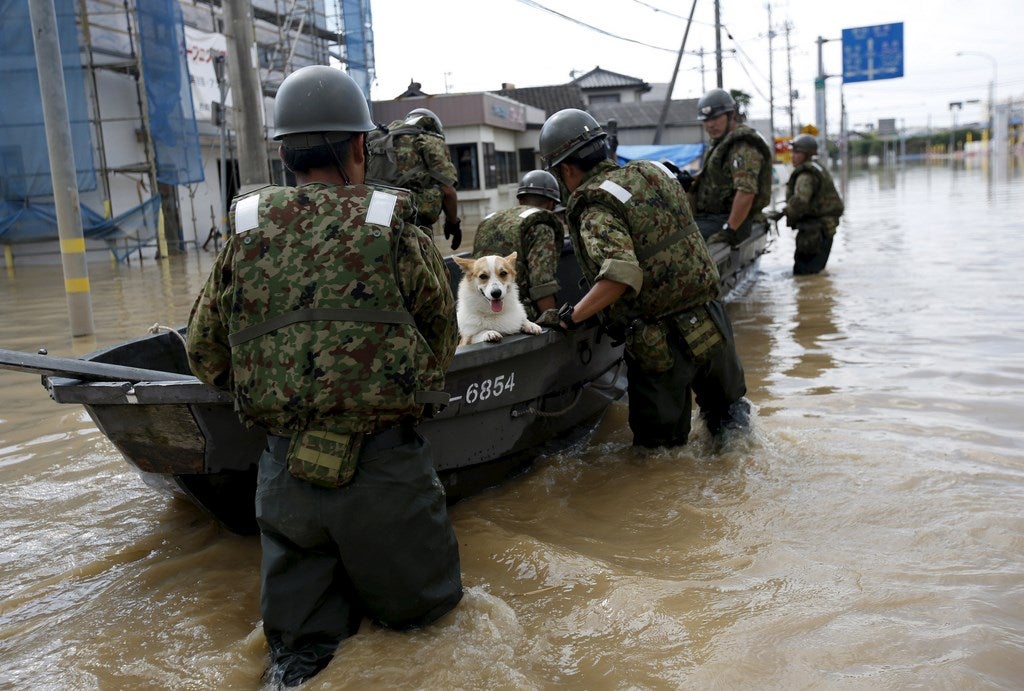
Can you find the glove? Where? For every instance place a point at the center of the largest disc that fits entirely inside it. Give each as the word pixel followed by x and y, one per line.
pixel 685 179
pixel 565 316
pixel 774 215
pixel 549 318
pixel 453 230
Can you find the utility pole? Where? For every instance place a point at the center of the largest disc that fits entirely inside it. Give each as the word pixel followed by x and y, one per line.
pixel 246 94
pixel 672 82
pixel 789 71
pixel 52 91
pixel 718 43
pixel 771 82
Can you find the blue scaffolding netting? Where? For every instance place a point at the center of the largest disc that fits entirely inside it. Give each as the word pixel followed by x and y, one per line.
pixel 27 213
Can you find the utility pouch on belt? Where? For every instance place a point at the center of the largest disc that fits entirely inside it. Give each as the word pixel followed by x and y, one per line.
pixel 324 459
pixel 648 345
pixel 699 332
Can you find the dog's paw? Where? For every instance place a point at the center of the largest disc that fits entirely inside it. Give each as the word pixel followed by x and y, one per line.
pixel 492 336
pixel 531 328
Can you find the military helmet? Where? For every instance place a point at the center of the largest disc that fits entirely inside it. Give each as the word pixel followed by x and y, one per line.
pixel 427 119
pixel 570 131
pixel 714 103
pixel 542 183
pixel 805 144
pixel 318 98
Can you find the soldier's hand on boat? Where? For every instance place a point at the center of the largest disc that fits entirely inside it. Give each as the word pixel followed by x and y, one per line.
pixel 453 231
pixel 549 318
pixel 565 319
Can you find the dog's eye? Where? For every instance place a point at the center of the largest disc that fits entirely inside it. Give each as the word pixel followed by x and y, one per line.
pixel 484 277
pixel 504 274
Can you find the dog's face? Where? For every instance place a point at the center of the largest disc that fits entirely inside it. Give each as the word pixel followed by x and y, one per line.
pixel 492 276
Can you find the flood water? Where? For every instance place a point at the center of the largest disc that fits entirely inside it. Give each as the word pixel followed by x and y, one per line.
pixel 868 534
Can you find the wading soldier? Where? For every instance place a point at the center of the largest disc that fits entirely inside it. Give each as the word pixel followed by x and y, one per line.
pixel 329 316
pixel 813 207
pixel 652 277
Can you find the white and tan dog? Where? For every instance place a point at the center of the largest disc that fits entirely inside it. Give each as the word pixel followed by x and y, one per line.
pixel 488 305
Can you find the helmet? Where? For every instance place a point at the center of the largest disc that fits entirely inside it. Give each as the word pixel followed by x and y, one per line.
pixel 318 98
pixel 569 131
pixel 714 103
pixel 425 118
pixel 805 144
pixel 542 183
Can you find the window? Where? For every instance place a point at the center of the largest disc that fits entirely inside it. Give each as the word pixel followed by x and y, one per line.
pixel 464 158
pixel 527 160
pixel 604 98
pixel 499 167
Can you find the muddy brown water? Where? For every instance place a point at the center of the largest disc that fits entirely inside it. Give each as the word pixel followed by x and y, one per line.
pixel 869 533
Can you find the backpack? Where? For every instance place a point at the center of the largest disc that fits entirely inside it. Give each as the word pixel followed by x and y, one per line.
pixel 393 166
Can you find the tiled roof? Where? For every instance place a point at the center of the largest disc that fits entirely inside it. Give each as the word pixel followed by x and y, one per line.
pixel 598 78
pixel 646 113
pixel 550 99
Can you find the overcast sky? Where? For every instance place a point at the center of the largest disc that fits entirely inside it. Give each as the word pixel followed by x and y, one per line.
pixel 475 45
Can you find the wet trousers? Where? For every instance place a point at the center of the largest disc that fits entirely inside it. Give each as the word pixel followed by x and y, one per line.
pixel 660 404
pixel 813 245
pixel 381 547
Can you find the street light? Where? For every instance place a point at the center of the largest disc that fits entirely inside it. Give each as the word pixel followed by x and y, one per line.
pixel 991 84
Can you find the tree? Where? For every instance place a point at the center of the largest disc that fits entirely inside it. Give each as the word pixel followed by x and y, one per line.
pixel 742 99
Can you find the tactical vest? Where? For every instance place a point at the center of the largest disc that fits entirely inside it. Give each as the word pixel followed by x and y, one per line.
pixel 322 338
pixel 715 191
pixel 678 271
pixel 826 201
pixel 393 159
pixel 502 233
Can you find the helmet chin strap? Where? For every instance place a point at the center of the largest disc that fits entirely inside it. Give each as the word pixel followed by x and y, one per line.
pixel 337 161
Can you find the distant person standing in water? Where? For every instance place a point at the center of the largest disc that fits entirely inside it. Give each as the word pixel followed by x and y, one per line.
pixel 813 208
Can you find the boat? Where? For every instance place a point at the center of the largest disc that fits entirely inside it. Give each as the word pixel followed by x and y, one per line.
pixel 510 403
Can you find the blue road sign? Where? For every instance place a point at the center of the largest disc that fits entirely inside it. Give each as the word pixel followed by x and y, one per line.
pixel 873 52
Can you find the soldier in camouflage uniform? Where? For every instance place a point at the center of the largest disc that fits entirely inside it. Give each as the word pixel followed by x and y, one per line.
pixel 329 316
pixel 422 165
pixel 653 278
pixel 813 207
pixel 534 232
pixel 735 181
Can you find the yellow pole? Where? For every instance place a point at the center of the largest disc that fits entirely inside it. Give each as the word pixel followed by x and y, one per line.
pixel 9 259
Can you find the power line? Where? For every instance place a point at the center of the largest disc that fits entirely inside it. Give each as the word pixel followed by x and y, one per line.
pixel 538 6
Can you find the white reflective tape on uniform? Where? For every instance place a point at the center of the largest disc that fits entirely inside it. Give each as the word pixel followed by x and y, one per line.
pixel 664 169
pixel 529 212
pixel 489 215
pixel 247 214
pixel 382 208
pixel 617 191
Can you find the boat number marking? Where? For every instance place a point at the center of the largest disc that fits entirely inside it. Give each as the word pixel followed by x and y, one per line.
pixel 490 388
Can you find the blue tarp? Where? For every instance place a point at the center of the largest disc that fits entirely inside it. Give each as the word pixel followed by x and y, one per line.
pixel 172 120
pixel 680 154
pixel 24 158
pixel 358 43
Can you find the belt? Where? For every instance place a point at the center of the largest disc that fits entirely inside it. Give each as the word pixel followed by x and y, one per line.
pixel 372 443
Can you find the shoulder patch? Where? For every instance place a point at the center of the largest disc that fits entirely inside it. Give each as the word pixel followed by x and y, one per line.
pixel 814 164
pixel 247 214
pixel 381 208
pixel 664 169
pixel 616 190
pixel 489 215
pixel 526 213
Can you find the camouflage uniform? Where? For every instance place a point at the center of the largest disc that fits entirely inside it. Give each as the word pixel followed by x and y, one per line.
pixel 423 164
pixel 813 208
pixel 740 161
pixel 633 225
pixel 537 236
pixel 328 310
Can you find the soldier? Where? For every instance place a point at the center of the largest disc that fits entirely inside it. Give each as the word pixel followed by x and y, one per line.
pixel 813 207
pixel 292 321
pixel 735 181
pixel 533 231
pixel 411 153
pixel 652 277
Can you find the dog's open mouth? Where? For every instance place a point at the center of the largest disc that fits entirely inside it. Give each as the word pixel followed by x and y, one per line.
pixel 496 305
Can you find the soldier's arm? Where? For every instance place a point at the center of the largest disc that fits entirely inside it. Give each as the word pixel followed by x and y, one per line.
pixel 435 155
pixel 798 204
pixel 209 355
pixel 425 282
pixel 746 162
pixel 542 259
pixel 608 242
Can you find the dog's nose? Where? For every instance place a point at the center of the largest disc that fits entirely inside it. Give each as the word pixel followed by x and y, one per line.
pixel 495 293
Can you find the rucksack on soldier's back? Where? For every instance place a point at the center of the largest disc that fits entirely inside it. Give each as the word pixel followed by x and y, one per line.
pixel 393 165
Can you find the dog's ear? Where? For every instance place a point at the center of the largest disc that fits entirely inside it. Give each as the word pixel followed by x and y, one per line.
pixel 465 263
pixel 511 259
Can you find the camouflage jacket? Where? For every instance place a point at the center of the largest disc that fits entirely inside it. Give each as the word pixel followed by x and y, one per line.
pixel 811 194
pixel 741 160
pixel 537 236
pixel 274 321
pixel 427 152
pixel 633 225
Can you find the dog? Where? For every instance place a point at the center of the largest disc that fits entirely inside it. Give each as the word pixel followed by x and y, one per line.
pixel 488 305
